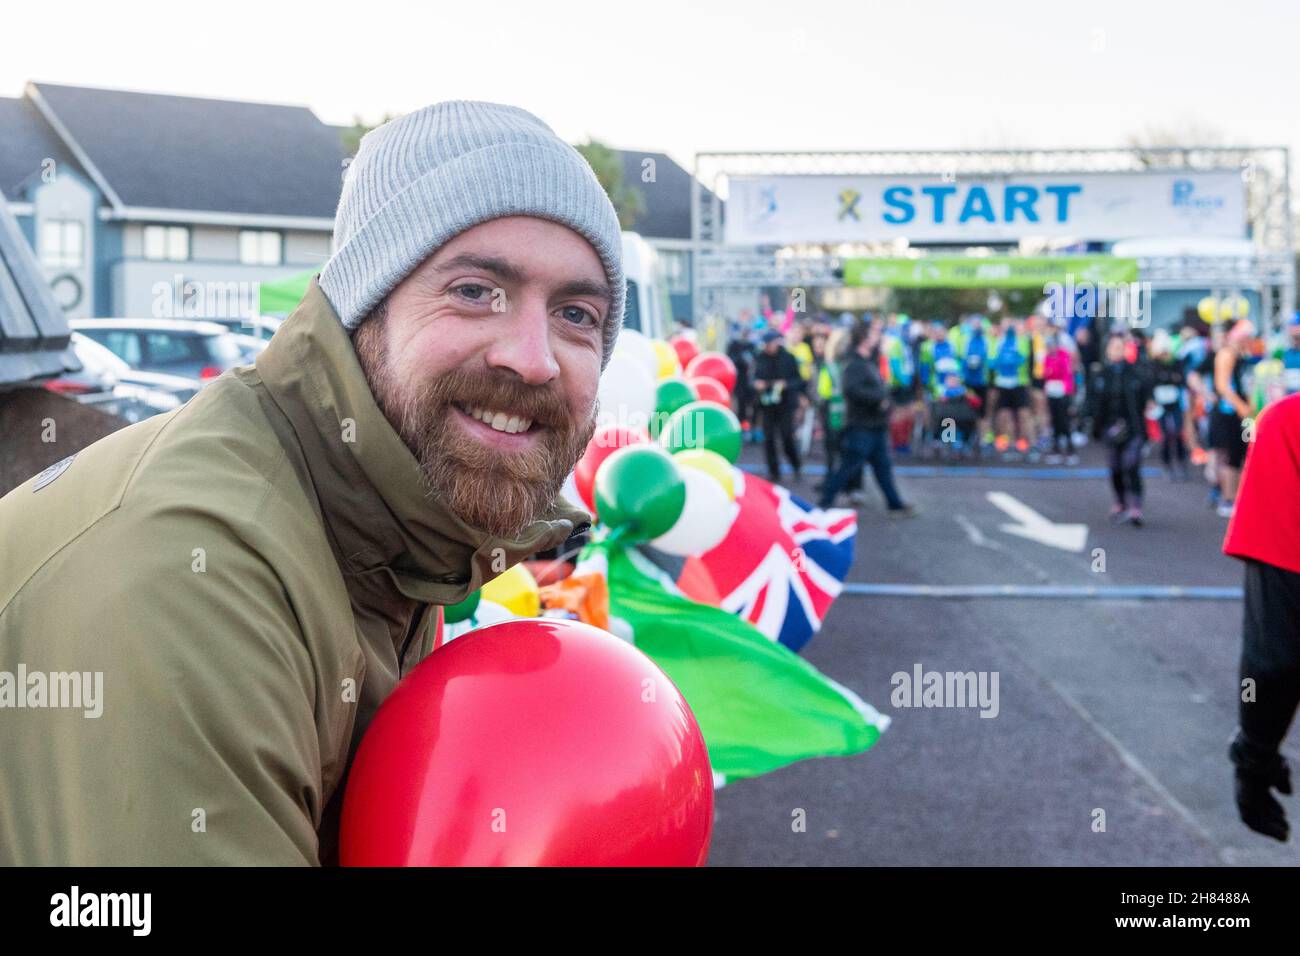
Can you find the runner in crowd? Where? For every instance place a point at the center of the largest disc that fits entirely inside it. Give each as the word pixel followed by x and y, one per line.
pixel 1193 353
pixel 1088 339
pixel 1117 406
pixel 1059 391
pixel 1040 431
pixel 1012 361
pixel 1169 389
pixel 1230 412
pixel 741 350
pixel 971 341
pixel 954 419
pixel 899 367
pixel 779 386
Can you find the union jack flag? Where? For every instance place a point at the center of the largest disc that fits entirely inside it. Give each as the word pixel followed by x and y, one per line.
pixel 781 565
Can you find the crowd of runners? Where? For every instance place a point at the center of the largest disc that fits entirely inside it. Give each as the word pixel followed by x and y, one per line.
pixel 1019 389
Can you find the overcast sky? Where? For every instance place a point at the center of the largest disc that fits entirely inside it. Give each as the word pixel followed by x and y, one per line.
pixel 686 77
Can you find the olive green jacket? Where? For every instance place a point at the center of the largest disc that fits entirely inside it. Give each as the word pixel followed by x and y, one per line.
pixel 247 577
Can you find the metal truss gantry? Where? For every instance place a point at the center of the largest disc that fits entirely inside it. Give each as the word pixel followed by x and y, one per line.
pixel 1265 171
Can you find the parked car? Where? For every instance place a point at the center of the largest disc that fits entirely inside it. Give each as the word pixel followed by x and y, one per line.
pixel 109 384
pixel 201 350
pixel 92 355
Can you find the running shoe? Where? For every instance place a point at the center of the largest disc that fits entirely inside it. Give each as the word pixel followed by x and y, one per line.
pixel 1134 517
pixel 1225 509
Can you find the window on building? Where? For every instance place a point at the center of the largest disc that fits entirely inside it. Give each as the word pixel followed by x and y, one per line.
pixel 260 247
pixel 62 243
pixel 167 243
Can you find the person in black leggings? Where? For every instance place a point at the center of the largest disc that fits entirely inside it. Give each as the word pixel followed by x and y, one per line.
pixel 1169 386
pixel 1117 404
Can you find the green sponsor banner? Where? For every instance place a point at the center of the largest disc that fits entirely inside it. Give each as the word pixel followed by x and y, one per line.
pixel 990 272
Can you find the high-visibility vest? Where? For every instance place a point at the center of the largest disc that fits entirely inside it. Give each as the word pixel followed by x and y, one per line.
pixel 825 381
pixel 803 353
pixel 1040 354
pixel 1011 361
pixel 973 353
pixel 902 371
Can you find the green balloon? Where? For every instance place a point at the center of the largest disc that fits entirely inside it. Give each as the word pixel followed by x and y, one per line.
pixel 703 425
pixel 463 610
pixel 671 394
pixel 639 487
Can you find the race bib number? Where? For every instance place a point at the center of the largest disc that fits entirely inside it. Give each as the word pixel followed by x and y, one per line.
pixel 1054 388
pixel 1293 380
pixel 1006 381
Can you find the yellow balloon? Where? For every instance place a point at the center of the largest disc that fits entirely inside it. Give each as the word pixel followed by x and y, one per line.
pixel 1208 309
pixel 515 590
pixel 1234 308
pixel 712 464
pixel 668 364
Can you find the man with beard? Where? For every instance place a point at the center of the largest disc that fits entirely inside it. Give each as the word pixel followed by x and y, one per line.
pixel 251 575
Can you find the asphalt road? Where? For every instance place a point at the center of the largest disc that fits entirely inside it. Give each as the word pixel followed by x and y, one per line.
pixel 1106 704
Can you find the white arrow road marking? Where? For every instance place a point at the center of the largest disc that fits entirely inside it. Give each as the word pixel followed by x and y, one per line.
pixel 1030 524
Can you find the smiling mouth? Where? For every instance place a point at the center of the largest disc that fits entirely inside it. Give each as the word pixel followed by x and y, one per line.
pixel 499 421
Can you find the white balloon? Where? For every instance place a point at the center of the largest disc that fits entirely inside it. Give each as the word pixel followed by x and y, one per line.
pixel 636 345
pixel 626 393
pixel 706 517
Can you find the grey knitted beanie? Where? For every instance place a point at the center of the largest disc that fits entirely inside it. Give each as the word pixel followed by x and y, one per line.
pixel 423 178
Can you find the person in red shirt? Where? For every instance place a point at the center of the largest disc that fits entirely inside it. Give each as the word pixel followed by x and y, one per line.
pixel 1265 533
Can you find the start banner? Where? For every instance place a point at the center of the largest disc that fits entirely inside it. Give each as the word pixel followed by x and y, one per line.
pixel 764 210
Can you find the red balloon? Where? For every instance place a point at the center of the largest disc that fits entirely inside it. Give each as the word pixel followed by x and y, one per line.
pixel 531 743
pixel 603 443
pixel 685 348
pixel 710 390
pixel 713 365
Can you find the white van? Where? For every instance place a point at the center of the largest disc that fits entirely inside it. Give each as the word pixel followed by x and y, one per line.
pixel 648 307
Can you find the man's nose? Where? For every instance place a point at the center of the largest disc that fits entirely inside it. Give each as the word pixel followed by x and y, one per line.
pixel 524 345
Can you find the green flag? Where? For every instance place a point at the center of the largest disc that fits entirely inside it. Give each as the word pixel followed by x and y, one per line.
pixel 759 705
pixel 283 296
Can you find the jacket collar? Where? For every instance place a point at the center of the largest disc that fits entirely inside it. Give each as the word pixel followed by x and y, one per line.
pixel 373 503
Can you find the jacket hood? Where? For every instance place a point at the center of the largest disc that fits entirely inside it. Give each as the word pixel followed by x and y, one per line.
pixel 375 507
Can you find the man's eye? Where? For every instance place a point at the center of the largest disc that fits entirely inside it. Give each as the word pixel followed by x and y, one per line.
pixel 473 291
pixel 578 315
